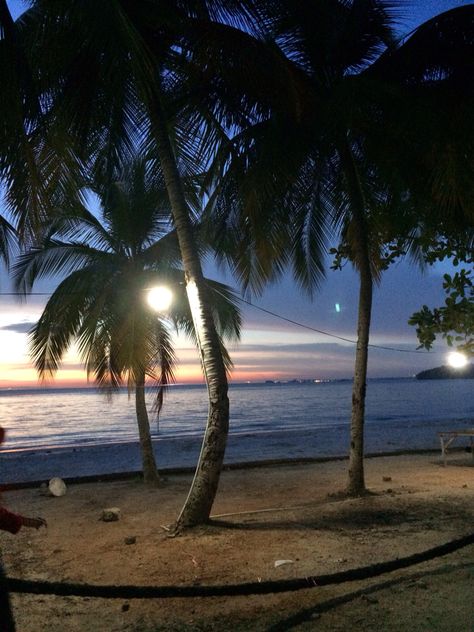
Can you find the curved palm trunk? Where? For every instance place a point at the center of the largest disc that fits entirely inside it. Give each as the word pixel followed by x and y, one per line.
pixel 150 472
pixel 197 507
pixel 360 245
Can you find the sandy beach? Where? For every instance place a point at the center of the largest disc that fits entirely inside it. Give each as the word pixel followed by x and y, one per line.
pixel 262 515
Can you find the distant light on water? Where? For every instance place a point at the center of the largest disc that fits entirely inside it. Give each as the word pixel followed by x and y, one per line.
pixel 338 307
pixel 457 360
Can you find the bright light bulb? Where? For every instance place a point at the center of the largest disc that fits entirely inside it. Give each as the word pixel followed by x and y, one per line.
pixel 457 360
pixel 159 298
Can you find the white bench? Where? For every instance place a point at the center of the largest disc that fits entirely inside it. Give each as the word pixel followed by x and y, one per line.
pixel 446 439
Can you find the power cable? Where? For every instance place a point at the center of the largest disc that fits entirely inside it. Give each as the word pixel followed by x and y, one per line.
pixel 326 333
pixel 275 315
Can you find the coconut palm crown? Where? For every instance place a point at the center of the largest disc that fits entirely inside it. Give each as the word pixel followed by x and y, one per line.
pixel 109 260
pixel 355 134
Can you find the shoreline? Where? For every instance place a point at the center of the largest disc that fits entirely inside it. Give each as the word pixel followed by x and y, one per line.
pixel 227 467
pixel 122 459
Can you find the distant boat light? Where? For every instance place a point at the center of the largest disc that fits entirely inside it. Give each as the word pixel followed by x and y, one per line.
pixel 159 298
pixel 457 360
pixel 338 308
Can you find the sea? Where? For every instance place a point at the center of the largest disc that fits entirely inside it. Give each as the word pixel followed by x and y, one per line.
pixel 414 409
pixel 76 433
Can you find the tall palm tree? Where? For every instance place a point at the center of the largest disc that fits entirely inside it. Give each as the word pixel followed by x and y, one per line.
pixel 105 72
pixel 110 261
pixel 324 150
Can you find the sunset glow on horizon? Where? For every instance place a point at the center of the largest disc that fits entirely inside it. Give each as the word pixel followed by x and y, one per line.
pixel 270 348
pixel 16 377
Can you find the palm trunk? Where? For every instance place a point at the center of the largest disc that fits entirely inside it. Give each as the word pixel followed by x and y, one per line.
pixel 197 507
pixel 356 481
pixel 360 247
pixel 150 472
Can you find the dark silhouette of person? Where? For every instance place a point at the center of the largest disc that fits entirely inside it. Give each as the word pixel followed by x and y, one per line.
pixel 11 522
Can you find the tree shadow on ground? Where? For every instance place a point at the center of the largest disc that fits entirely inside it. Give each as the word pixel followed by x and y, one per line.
pixel 306 614
pixel 362 515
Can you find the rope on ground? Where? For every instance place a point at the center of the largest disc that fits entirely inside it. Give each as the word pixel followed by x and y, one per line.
pixel 248 588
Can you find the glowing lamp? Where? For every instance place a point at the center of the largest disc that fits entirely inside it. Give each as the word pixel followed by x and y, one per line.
pixel 159 298
pixel 457 360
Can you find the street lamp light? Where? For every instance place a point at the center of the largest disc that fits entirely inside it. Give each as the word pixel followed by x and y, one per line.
pixel 159 298
pixel 457 360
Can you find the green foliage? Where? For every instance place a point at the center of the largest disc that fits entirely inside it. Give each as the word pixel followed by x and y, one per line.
pixel 454 321
pixel 381 258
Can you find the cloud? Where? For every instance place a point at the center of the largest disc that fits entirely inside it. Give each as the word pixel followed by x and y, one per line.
pixel 293 348
pixel 19 328
pixel 72 366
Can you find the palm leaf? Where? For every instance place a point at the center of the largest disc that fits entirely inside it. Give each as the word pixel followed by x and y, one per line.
pixel 165 359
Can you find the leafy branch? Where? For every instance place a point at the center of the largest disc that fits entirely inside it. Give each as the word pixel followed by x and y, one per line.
pixel 454 321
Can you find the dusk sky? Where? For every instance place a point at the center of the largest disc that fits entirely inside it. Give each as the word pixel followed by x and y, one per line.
pixel 271 348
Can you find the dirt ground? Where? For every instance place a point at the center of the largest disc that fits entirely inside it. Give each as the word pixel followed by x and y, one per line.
pixel 261 515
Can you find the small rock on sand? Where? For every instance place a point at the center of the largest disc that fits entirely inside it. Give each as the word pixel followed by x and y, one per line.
pixel 111 514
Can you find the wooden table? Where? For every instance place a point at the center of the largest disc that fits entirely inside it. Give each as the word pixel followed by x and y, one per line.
pixel 446 439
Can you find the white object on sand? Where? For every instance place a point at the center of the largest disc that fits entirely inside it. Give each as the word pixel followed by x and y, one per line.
pixel 57 487
pixel 282 562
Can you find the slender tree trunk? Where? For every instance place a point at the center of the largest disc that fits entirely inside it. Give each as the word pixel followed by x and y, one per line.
pixel 356 480
pixel 197 507
pixel 150 471
pixel 361 254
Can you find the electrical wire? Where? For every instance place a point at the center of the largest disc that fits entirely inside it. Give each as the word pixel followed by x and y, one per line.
pixel 275 315
pixel 327 333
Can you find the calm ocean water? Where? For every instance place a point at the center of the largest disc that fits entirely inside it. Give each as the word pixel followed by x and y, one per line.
pixel 408 408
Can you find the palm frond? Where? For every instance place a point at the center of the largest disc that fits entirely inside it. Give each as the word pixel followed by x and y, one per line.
pixel 440 51
pixel 165 360
pixel 8 240
pixel 59 323
pixel 225 308
pixel 56 258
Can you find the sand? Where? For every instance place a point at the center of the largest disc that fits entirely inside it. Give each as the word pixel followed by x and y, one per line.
pixel 261 515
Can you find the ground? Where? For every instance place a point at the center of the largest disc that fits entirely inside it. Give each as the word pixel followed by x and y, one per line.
pixel 263 514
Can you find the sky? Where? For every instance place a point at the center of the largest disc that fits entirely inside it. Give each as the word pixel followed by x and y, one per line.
pixel 272 348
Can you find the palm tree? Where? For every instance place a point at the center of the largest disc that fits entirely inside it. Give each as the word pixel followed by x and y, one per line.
pixel 324 150
pixel 109 262
pixel 105 73
pixel 296 89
